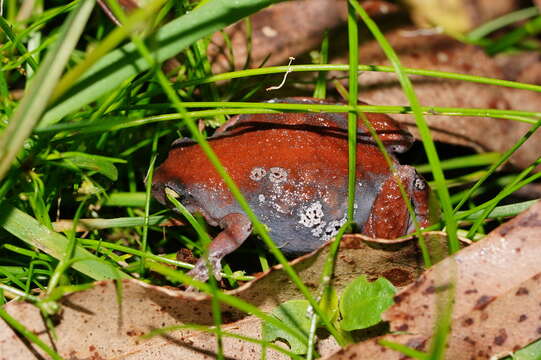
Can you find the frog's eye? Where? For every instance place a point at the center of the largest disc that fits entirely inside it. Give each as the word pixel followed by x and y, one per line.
pixel 398 148
pixel 419 183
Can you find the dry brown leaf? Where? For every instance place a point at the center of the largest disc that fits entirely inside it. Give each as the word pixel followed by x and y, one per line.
pixel 93 325
pixel 497 287
pixel 112 330
pixel 400 263
pixel 285 30
pixel 439 52
pixel 458 16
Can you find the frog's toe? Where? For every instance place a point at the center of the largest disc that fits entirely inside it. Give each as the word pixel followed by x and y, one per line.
pixel 199 272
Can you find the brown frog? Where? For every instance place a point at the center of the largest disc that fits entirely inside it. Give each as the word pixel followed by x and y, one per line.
pixel 293 170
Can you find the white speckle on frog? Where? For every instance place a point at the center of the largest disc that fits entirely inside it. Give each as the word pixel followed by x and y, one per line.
pixel 318 231
pixel 257 173
pixel 261 198
pixel 419 184
pixel 332 228
pixel 311 215
pixel 277 175
pixel 278 207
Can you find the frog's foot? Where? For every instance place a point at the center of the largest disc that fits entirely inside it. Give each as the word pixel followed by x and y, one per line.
pixel 237 227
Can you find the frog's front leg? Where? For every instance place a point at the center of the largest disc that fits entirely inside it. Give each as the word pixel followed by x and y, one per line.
pixel 236 229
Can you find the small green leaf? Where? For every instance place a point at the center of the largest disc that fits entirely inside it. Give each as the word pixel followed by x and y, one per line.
pixel 363 302
pixel 530 352
pixel 103 165
pixel 293 313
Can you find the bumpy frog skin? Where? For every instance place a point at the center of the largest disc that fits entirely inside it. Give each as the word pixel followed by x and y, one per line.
pixel 293 170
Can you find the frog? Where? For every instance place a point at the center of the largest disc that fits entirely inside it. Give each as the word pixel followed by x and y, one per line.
pixel 292 168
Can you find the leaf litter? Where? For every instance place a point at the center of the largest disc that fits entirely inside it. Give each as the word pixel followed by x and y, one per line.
pixel 113 330
pixel 496 289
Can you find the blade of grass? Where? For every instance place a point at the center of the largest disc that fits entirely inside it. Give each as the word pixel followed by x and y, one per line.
pixel 345 67
pixel 353 83
pixel 508 190
pixel 97 224
pixel 404 349
pixel 500 196
pixel 500 211
pixel 463 162
pixel 320 90
pixel 149 257
pixel 33 233
pixel 112 40
pixel 498 23
pixel 430 149
pixel 35 100
pixel 497 164
pixel 20 46
pixel 148 190
pixel 532 27
pixel 67 256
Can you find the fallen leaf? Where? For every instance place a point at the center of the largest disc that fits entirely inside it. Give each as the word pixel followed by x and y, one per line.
pixel 284 30
pixel 496 284
pixel 458 16
pixel 440 52
pixel 294 313
pixel 113 330
pixel 362 302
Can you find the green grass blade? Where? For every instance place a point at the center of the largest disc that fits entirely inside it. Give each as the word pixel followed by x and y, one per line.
pixel 497 164
pixel 353 83
pixel 33 233
pixel 345 67
pixel 463 162
pixel 104 47
pixel 498 23
pixel 320 91
pixel 500 211
pixel 20 47
pixel 35 100
pixel 531 28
